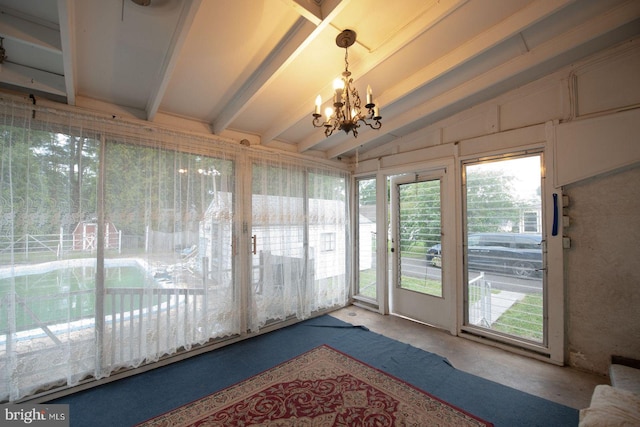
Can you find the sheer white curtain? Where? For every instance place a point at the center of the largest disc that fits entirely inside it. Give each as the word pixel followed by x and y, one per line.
pixel 175 213
pixel 278 241
pixel 114 250
pixel 299 240
pixel 329 231
pixel 47 293
pixel 119 244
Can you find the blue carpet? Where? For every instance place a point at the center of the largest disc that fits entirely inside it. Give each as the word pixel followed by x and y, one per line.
pixel 135 399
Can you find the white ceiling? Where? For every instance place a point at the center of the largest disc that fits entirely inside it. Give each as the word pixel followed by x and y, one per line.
pixel 251 69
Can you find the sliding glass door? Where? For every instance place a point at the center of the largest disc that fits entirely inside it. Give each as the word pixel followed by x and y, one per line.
pixel 278 243
pixel 168 282
pixel 298 241
pixel 112 255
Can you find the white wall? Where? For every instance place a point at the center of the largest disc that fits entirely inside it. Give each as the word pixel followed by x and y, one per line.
pixel 588 115
pixel 603 269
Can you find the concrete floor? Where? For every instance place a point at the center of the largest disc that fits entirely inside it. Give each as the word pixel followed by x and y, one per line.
pixel 564 385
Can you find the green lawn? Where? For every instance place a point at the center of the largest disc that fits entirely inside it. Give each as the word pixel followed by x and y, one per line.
pixel 425 286
pixel 368 282
pixel 523 319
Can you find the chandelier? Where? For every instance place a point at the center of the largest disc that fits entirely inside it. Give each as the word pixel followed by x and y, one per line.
pixel 347 113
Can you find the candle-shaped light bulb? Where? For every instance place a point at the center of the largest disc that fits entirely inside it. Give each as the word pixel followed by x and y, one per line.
pixel 338 86
pixel 376 111
pixel 328 112
pixel 353 113
pixel 369 94
pixel 318 104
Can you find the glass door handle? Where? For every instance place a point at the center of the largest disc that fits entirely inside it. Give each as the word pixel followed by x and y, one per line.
pixel 254 239
pixel 554 227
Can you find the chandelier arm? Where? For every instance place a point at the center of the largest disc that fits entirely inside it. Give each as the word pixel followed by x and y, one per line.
pixel 316 120
pixel 375 125
pixel 329 127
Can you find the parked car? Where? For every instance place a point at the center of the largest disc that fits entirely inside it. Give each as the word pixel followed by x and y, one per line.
pixel 434 255
pixel 519 254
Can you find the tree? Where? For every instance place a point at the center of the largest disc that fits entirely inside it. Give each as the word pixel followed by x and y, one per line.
pixel 492 206
pixel 70 164
pixel 367 191
pixel 420 214
pixel 47 180
pixel 491 201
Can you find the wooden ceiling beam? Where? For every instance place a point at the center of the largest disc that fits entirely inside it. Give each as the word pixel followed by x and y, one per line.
pixel 66 18
pixel 187 15
pixel 292 44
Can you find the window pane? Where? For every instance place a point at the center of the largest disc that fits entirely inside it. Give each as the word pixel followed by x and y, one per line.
pixel 366 279
pixel 503 254
pixel 420 235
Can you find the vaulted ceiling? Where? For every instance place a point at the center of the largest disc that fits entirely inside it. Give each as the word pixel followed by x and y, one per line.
pixel 251 69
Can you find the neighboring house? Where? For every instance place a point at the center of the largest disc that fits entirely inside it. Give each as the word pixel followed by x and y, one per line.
pixel 326 233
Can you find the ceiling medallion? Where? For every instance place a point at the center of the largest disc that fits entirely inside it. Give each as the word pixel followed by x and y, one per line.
pixel 346 113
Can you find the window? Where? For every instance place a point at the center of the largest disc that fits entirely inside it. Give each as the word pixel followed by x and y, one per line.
pixel 366 282
pixel 505 283
pixel 531 222
pixel 328 242
pixel 419 234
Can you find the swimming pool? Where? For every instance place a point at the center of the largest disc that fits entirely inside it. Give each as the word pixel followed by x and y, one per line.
pixel 64 291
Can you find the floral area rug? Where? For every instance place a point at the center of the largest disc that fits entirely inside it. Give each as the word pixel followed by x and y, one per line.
pixel 322 387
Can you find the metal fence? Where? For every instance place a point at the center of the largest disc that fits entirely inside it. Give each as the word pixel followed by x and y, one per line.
pixel 62 245
pixel 29 244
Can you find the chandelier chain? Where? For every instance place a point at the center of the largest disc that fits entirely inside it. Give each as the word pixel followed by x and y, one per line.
pixel 346 59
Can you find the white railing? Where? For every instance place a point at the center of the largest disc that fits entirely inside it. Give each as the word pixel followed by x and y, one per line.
pixel 171 313
pixel 139 324
pixel 479 291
